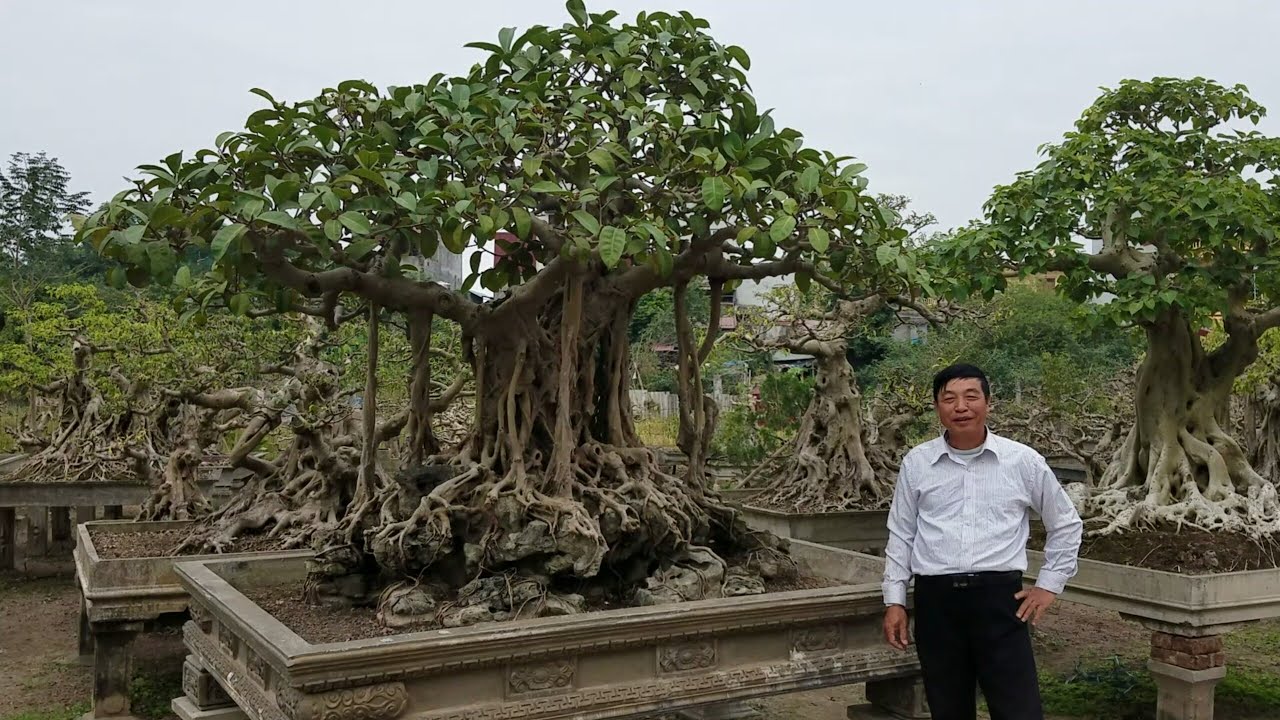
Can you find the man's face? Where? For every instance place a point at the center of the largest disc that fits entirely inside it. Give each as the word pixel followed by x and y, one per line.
pixel 961 406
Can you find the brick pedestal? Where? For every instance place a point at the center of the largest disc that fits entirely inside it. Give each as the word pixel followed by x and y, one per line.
pixel 1186 671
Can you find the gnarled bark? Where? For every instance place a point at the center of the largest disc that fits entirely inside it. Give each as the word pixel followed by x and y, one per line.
pixel 551 493
pixel 835 464
pixel 1178 465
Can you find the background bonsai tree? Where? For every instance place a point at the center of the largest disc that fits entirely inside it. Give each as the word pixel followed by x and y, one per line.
pixel 1183 204
pixel 625 158
pixel 843 458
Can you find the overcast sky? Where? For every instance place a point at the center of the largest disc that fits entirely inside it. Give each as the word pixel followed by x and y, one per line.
pixel 942 100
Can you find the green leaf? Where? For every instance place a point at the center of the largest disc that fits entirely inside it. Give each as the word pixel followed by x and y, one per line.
pixel 577 10
pixel 355 222
pixel 240 303
pixel 586 220
pixel 631 77
pixel 505 35
pixel 714 192
pixel 461 94
pixel 808 181
pixel 279 218
pixel 886 253
pixel 803 280
pixel 116 277
pixel 361 249
pixel 782 228
pixel 740 55
pixel 333 230
pixel 603 159
pixel 183 277
pixel 852 170
pixel 546 186
pixel 612 243
pixel 819 239
pixel 226 235
pixel 665 263
pixel 133 234
pixel 408 201
pixel 524 223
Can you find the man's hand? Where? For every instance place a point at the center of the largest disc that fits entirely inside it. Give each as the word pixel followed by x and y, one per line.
pixel 1035 601
pixel 895 627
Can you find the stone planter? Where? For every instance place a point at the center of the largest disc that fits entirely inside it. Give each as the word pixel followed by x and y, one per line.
pixel 120 597
pixel 612 664
pixel 864 531
pixel 1187 615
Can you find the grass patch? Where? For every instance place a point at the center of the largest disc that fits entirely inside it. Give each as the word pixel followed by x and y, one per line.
pixel 1119 689
pixel 1114 688
pixel 151 694
pixel 1248 690
pixel 73 712
pixel 658 431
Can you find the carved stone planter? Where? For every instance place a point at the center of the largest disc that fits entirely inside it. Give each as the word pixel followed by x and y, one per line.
pixel 864 531
pixel 1187 615
pixel 120 597
pixel 611 664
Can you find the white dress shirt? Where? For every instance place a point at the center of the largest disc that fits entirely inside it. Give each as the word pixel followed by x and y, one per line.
pixel 958 514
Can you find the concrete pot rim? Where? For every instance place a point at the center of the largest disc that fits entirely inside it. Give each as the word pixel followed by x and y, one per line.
pixel 510 641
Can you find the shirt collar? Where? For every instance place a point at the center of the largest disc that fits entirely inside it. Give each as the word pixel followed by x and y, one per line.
pixel 943 448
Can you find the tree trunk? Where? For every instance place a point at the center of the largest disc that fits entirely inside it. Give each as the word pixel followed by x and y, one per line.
pixel 422 440
pixel 1178 465
pixel 831 466
pixel 553 487
pixel 1262 430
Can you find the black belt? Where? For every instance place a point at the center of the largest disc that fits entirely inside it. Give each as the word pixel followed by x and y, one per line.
pixel 974 579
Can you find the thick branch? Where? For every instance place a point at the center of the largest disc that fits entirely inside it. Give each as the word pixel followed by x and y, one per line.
pixel 389 291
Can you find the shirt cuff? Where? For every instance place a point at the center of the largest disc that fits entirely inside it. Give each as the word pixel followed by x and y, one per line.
pixel 1054 582
pixel 895 593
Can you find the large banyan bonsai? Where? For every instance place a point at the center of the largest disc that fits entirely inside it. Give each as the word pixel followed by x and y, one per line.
pixel 624 158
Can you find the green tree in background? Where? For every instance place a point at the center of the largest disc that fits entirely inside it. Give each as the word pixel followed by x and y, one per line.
pixel 1182 197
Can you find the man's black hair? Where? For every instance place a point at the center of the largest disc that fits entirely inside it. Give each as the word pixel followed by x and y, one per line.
pixel 957 372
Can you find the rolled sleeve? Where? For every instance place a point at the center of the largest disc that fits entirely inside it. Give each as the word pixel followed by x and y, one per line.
pixel 1063 528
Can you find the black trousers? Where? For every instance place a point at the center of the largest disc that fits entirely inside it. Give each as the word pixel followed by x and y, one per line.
pixel 968 634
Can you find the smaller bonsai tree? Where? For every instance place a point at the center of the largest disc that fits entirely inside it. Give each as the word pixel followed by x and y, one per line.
pixel 1183 203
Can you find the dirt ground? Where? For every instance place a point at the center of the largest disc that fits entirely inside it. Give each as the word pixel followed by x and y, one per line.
pixel 41 678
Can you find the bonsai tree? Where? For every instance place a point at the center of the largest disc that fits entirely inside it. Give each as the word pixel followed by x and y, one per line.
pixel 624 158
pixel 1258 416
pixel 841 457
pixel 1183 204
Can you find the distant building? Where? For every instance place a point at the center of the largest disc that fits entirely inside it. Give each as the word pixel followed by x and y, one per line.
pixel 447 268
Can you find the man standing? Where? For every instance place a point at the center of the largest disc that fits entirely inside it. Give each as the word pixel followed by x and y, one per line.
pixel 959 525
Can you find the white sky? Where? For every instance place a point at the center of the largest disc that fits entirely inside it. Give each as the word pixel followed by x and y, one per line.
pixel 942 100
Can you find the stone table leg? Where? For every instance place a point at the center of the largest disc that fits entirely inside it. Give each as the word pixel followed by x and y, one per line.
pixel 37 531
pixel 901 697
pixel 203 698
pixel 1186 671
pixel 112 670
pixel 85 642
pixel 8 538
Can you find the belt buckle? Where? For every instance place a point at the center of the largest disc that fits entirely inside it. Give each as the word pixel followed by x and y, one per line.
pixel 961 582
